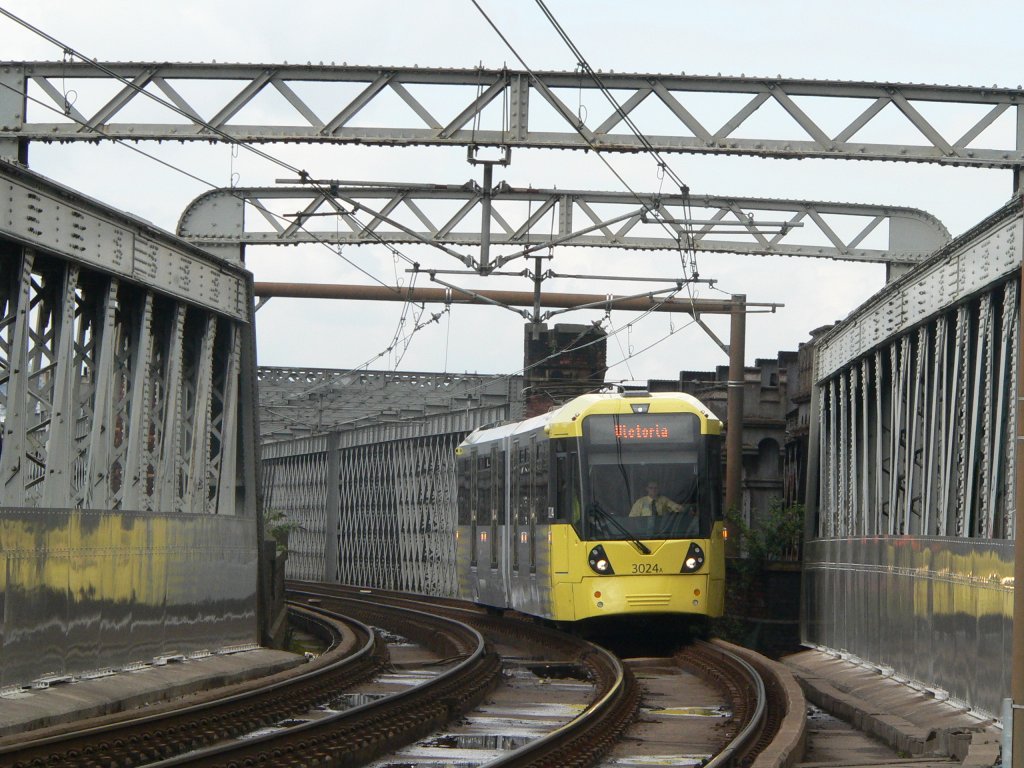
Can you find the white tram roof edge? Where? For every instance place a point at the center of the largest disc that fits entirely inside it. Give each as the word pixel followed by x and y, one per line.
pixel 567 411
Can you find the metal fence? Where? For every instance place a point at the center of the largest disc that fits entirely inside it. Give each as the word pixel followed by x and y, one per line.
pixel 375 506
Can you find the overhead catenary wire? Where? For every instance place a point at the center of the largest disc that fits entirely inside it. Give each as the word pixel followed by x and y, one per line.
pixel 582 62
pixel 69 51
pixel 571 347
pixel 215 130
pixel 689 246
pixel 206 182
pixel 663 166
pixel 221 134
pixel 194 177
pixel 231 140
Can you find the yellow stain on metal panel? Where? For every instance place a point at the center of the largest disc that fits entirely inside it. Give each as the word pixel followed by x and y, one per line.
pixel 945 583
pixel 120 557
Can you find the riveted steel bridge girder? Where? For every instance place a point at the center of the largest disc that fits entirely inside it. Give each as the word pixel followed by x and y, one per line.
pixel 916 417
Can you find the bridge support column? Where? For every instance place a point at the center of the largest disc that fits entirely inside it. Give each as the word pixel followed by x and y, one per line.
pixel 1017 656
pixel 734 408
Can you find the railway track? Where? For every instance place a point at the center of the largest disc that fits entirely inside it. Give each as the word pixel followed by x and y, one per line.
pixel 756 706
pixel 600 696
pixel 351 656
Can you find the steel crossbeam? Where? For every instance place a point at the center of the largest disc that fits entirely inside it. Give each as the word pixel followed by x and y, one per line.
pixel 502 107
pixel 530 220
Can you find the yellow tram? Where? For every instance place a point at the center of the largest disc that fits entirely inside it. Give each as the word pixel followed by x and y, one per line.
pixel 607 505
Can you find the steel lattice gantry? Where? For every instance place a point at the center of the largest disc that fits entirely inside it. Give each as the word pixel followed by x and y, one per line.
pixel 502 107
pixel 911 563
pixel 127 527
pixel 533 219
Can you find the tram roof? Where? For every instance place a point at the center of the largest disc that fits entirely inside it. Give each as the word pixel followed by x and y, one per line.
pixel 577 407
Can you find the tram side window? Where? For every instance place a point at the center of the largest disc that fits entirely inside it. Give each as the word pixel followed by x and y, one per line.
pixel 541 498
pixel 515 483
pixel 713 473
pixel 538 493
pixel 482 480
pixel 567 503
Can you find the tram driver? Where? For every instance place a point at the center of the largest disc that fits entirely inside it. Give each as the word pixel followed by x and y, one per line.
pixel 653 503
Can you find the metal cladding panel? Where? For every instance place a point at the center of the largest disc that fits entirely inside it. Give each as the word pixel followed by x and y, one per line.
pixel 86 590
pixel 936 611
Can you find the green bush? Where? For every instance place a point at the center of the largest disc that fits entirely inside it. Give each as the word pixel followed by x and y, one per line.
pixel 775 537
pixel 277 526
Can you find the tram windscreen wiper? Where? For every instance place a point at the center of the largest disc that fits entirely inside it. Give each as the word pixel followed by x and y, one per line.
pixel 597 509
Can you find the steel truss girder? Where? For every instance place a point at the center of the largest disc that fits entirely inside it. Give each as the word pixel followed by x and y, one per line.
pixel 354 214
pixel 114 395
pixel 515 97
pixel 383 508
pixel 297 402
pixel 373 492
pixel 935 475
pixel 101 407
pixel 920 383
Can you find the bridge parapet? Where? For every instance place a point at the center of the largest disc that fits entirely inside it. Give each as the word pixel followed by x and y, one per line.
pixel 372 497
pixel 910 566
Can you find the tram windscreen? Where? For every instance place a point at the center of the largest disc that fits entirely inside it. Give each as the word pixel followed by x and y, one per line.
pixel 646 476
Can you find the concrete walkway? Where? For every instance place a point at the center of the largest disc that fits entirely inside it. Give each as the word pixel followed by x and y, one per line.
pixel 31 709
pixel 912 722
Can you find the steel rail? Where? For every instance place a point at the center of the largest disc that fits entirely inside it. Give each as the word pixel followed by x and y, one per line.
pixel 121 742
pixel 743 743
pixel 585 738
pixel 364 732
pixel 594 729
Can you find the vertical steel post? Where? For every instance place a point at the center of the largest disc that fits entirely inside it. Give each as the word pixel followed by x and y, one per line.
pixel 333 511
pixel 485 223
pixel 537 280
pixel 734 413
pixel 1017 657
pixel 811 505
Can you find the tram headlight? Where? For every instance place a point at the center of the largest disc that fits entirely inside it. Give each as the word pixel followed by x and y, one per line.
pixel 694 559
pixel 599 562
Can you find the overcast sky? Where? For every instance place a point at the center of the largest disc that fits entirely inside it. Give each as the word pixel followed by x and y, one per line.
pixel 923 42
